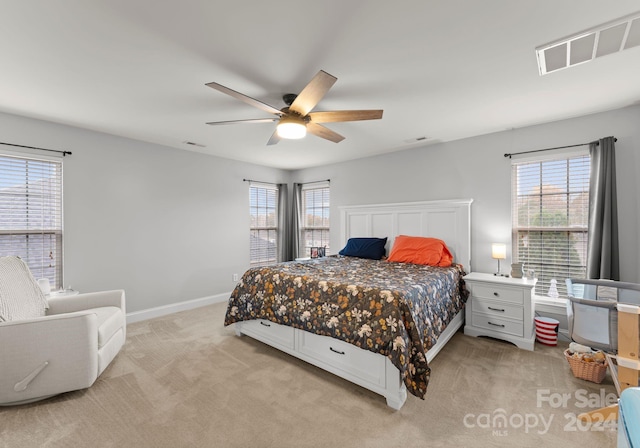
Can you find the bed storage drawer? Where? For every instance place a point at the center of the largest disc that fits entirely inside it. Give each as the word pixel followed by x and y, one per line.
pixel 344 357
pixel 269 333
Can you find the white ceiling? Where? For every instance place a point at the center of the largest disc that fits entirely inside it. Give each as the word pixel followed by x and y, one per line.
pixel 441 69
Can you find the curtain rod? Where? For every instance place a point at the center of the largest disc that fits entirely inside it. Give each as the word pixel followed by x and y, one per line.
pixel 316 181
pixel 259 181
pixel 557 147
pixel 263 182
pixel 64 153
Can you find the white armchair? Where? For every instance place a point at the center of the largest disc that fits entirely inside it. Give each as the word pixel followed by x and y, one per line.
pixel 57 350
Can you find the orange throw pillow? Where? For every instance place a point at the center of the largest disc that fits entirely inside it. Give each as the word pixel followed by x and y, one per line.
pixel 420 250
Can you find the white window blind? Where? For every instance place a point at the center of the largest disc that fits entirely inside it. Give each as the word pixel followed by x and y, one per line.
pixel 550 219
pixel 263 211
pixel 315 228
pixel 31 214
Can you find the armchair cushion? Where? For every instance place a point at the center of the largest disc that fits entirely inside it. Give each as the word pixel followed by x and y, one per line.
pixel 20 295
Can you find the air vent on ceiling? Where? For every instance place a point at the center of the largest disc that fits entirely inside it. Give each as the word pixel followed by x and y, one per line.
pixel 602 40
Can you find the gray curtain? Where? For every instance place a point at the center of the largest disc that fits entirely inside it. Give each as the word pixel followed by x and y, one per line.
pixel 289 212
pixel 602 246
pixel 296 217
pixel 284 249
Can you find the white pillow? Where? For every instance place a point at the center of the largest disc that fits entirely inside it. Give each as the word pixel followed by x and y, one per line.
pixel 20 296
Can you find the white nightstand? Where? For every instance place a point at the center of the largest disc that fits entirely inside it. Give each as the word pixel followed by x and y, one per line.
pixel 500 307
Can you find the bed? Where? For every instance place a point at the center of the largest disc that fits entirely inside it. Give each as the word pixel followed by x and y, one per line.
pixel 373 322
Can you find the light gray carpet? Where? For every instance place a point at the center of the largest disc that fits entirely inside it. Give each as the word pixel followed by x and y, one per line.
pixel 184 380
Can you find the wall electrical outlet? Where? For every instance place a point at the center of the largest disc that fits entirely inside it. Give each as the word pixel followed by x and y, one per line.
pixel 234 277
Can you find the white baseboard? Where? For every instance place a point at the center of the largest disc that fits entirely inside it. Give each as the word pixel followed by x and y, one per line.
pixel 138 316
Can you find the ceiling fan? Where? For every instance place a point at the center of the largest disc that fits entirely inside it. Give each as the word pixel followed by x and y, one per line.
pixel 296 118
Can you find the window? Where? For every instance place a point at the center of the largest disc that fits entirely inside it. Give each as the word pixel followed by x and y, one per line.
pixel 550 219
pixel 314 231
pixel 31 214
pixel 263 211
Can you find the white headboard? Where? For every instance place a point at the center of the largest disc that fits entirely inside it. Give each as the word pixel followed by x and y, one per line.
pixel 449 220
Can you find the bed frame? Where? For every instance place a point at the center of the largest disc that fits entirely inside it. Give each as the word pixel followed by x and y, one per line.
pixel 449 220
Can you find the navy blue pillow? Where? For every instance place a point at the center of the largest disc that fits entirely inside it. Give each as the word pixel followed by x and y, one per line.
pixel 372 248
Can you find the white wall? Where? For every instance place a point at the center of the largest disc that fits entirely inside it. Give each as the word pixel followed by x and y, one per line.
pixel 170 226
pixel 165 225
pixel 476 168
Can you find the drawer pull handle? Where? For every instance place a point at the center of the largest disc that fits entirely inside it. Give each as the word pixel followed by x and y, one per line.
pixel 496 294
pixel 496 325
pixel 266 325
pixel 496 309
pixel 336 351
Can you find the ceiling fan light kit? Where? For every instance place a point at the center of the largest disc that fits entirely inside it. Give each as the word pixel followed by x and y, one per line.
pixel 296 119
pixel 291 127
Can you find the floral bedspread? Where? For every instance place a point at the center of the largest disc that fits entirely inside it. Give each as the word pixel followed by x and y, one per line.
pixel 395 309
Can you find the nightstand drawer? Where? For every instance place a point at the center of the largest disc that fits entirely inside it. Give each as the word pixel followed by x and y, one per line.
pixel 497 309
pixel 497 292
pixel 499 325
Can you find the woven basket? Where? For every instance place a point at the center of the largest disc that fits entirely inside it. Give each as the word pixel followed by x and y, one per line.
pixel 590 371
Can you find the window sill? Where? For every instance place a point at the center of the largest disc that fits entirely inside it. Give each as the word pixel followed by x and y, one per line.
pixel 548 301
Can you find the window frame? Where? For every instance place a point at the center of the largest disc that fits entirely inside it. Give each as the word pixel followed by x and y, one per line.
pixel 50 197
pixel 543 284
pixel 269 229
pixel 304 249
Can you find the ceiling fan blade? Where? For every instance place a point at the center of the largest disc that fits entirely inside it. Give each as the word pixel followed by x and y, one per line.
pixel 252 120
pixel 274 138
pixel 324 132
pixel 345 115
pixel 313 93
pixel 247 99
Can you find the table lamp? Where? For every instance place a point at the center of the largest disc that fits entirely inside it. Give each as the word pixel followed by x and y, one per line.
pixel 499 252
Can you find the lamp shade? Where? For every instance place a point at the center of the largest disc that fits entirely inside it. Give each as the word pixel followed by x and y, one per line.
pixel 291 127
pixel 499 251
